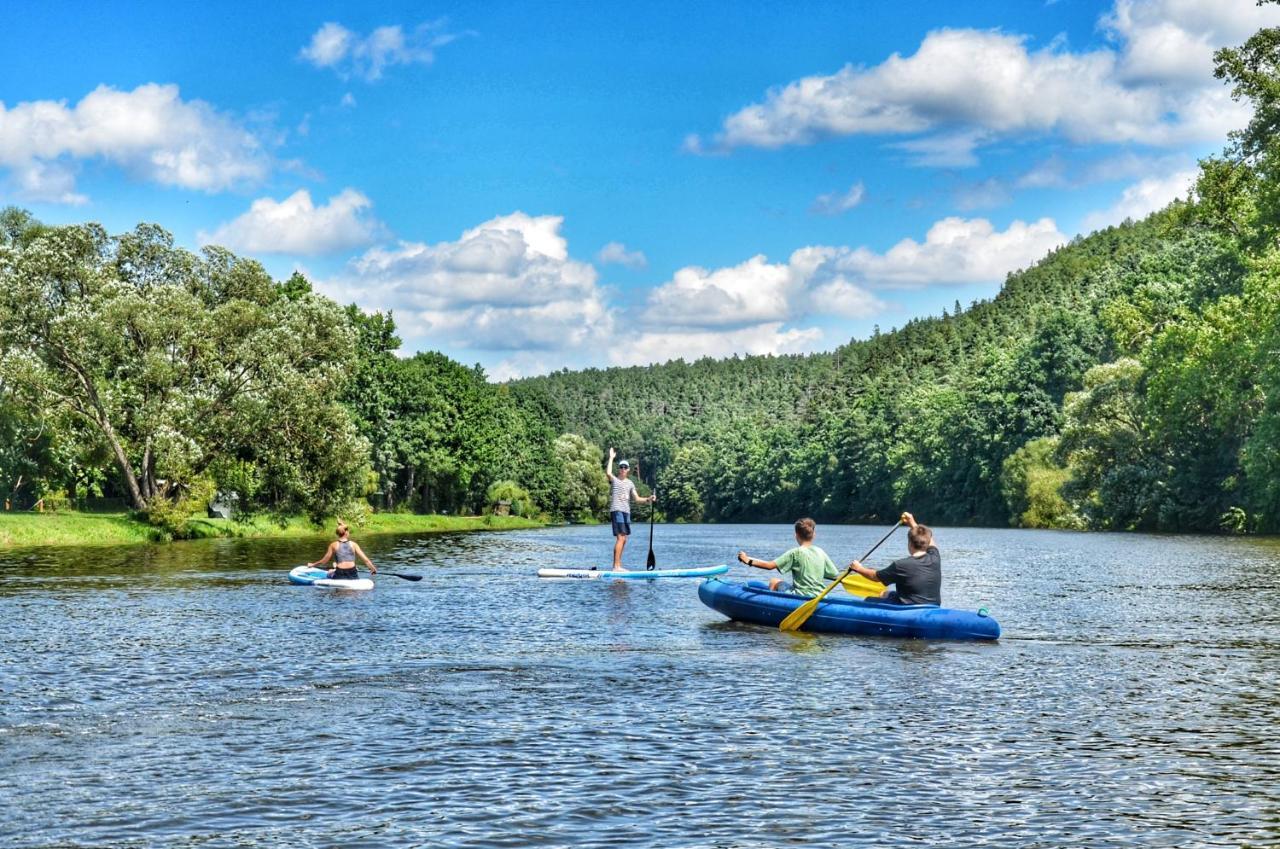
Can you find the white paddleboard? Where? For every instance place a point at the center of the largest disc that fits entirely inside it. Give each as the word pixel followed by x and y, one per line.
pixel 637 575
pixel 313 577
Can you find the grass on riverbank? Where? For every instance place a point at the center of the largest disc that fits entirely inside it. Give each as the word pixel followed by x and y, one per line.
pixel 22 530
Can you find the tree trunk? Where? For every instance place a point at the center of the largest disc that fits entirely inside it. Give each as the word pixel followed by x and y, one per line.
pixel 126 471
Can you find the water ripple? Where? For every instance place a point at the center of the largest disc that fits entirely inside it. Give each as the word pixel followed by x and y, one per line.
pixel 186 696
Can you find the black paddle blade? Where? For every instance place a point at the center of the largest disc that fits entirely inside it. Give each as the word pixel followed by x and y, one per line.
pixel 402 575
pixel 651 562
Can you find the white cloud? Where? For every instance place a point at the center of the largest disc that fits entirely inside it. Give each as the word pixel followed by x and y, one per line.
pixel 349 54
pixel 150 132
pixel 756 292
pixel 656 346
pixel 836 203
pixel 329 45
pixel 1142 198
pixel 951 150
pixel 508 284
pixel 616 253
pixel 296 226
pixel 1173 41
pixel 955 250
pixel 964 87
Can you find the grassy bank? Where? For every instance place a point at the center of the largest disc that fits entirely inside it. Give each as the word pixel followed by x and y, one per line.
pixel 21 530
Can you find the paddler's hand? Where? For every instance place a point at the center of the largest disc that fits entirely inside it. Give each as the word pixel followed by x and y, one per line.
pixel 743 558
pixel 373 570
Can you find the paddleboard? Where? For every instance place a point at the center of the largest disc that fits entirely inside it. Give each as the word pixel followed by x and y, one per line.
pixel 639 574
pixel 313 577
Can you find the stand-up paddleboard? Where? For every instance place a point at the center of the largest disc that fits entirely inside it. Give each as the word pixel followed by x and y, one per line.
pixel 637 575
pixel 313 577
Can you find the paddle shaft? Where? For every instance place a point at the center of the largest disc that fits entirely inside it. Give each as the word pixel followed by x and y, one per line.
pixel 801 614
pixel 651 561
pixel 396 574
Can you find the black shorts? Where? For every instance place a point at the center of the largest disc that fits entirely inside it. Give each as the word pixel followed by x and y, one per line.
pixel 345 574
pixel 621 523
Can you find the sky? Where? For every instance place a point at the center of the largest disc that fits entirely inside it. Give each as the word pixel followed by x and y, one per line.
pixel 534 187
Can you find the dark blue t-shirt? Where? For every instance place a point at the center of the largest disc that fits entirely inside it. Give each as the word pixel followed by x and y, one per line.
pixel 918 580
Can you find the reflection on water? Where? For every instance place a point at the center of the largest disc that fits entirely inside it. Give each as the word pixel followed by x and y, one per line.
pixel 187 695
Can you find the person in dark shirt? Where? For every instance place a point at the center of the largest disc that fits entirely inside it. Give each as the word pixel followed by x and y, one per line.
pixel 917 578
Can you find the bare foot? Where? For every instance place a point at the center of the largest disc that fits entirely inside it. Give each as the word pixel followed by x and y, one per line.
pixel 618 568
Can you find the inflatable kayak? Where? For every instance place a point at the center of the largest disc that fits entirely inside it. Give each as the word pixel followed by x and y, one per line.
pixel 591 574
pixel 313 577
pixel 754 602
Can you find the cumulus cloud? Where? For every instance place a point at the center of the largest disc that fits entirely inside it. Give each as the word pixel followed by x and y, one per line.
pixel 150 132
pixel 335 47
pixel 510 287
pixel 964 87
pixel 297 226
pixel 507 285
pixel 836 203
pixel 616 253
pixel 758 292
pixel 661 345
pixel 1173 41
pixel 955 250
pixel 1142 198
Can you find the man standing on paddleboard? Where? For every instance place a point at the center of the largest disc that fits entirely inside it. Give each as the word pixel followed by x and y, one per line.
pixel 622 491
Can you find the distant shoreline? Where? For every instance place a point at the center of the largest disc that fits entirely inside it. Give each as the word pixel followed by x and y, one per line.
pixel 71 528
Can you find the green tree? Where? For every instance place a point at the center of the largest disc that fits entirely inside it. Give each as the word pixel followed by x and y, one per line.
pixel 585 489
pixel 175 361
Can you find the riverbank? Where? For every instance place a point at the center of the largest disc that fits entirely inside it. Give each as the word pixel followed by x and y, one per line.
pixel 24 530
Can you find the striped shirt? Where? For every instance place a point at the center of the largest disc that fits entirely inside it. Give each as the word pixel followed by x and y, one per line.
pixel 620 492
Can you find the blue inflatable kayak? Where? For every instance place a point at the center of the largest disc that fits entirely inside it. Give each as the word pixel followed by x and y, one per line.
pixel 595 574
pixel 754 602
pixel 313 577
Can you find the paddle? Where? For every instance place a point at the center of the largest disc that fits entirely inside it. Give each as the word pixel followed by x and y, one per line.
pixel 862 587
pixel 400 575
pixel 385 572
pixel 796 618
pixel 650 561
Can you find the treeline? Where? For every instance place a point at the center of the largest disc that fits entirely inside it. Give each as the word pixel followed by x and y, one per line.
pixel 1130 380
pixel 134 370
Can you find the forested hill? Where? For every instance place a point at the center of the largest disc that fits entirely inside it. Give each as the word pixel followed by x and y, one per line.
pixel 1051 404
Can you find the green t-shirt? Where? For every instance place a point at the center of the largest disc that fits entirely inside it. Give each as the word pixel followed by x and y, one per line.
pixel 808 566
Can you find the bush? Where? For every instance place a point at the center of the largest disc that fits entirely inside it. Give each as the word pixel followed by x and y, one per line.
pixel 170 516
pixel 521 503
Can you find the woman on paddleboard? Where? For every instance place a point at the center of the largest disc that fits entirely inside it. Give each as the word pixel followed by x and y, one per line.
pixel 344 551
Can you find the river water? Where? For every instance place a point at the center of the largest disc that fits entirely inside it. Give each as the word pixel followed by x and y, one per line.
pixel 186 695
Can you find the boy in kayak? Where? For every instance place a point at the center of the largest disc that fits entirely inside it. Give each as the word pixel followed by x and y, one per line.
pixel 344 551
pixel 622 491
pixel 808 566
pixel 917 578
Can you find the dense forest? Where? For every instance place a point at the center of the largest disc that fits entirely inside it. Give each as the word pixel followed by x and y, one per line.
pixel 1130 380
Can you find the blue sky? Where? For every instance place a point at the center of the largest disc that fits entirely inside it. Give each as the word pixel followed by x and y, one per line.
pixel 569 185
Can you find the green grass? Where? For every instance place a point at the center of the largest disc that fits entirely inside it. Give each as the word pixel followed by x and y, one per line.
pixel 23 530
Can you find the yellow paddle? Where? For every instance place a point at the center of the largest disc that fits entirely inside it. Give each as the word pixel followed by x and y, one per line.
pixel 796 618
pixel 862 587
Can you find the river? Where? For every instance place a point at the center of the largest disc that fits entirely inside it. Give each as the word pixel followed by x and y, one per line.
pixel 186 695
